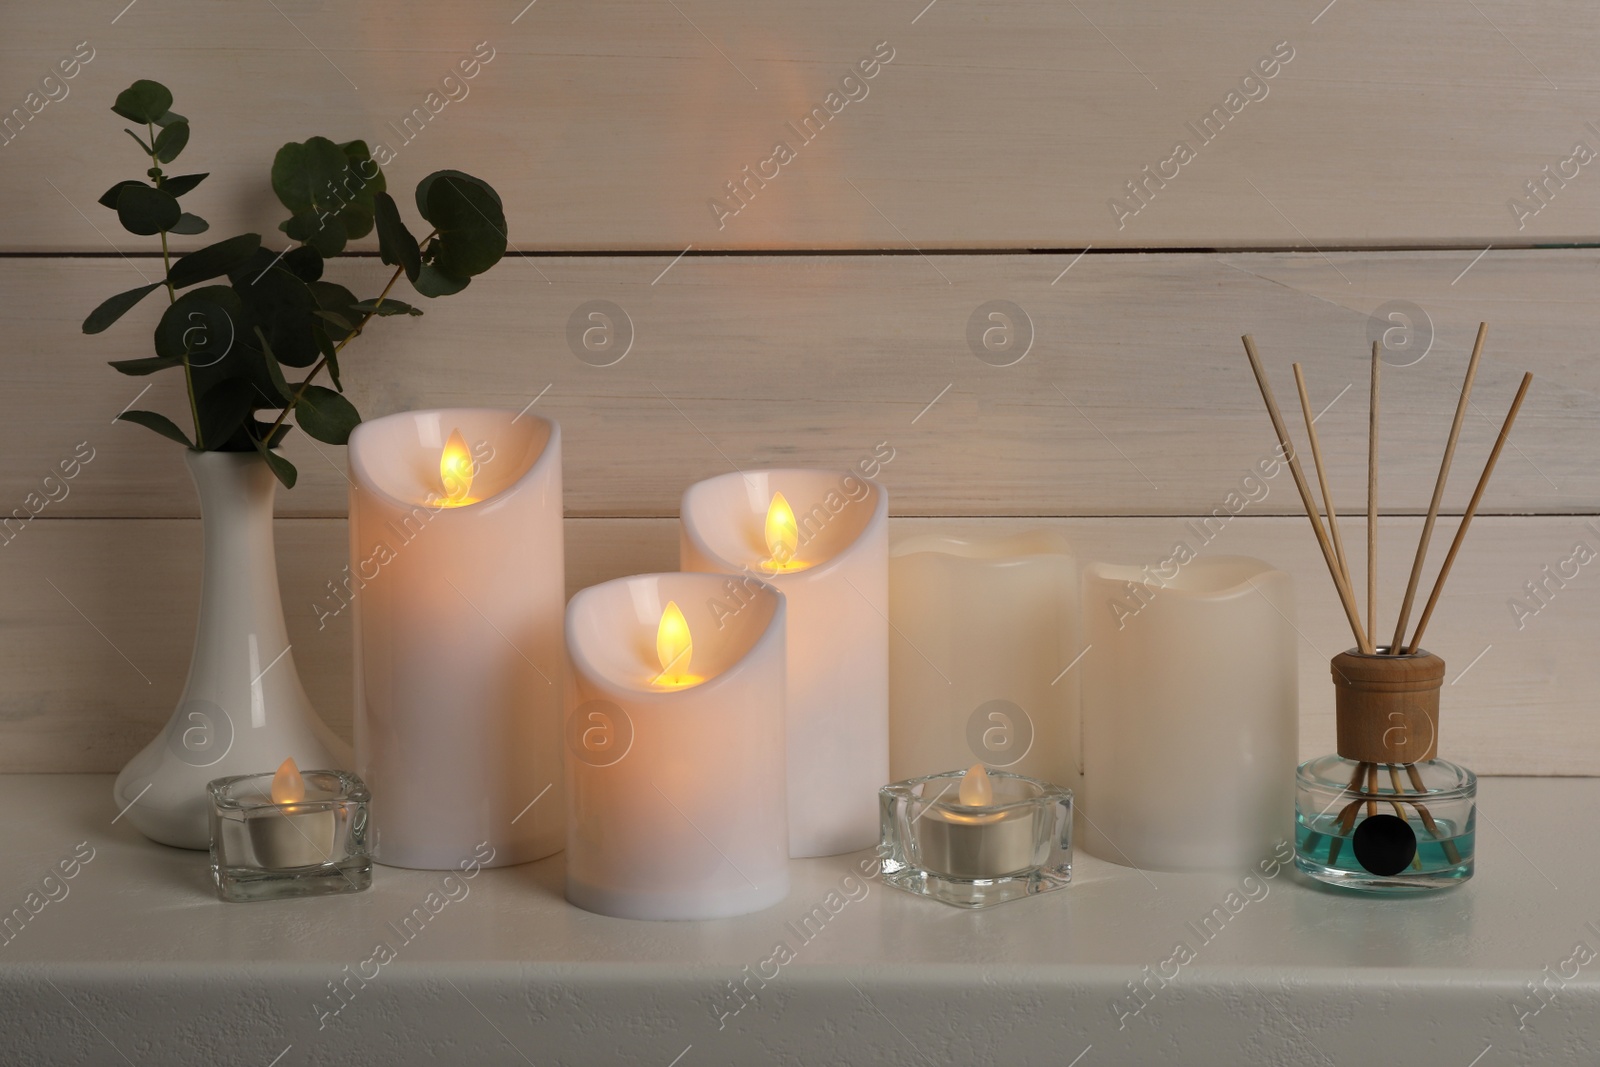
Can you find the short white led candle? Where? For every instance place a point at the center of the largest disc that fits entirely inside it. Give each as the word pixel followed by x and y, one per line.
pixel 1190 714
pixel 675 750
pixel 459 585
pixel 822 537
pixel 983 658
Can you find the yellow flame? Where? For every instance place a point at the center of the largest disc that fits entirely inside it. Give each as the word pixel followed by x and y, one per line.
pixel 976 789
pixel 783 535
pixel 287 785
pixel 674 645
pixel 455 471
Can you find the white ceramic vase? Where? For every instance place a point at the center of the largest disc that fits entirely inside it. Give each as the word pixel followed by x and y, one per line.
pixel 243 709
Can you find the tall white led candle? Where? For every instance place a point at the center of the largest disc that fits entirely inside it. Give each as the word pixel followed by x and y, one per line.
pixel 822 537
pixel 982 657
pixel 458 581
pixel 1190 713
pixel 675 750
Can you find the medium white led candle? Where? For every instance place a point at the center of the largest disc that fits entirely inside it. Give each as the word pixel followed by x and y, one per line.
pixel 1190 713
pixel 985 631
pixel 675 742
pixel 456 563
pixel 822 537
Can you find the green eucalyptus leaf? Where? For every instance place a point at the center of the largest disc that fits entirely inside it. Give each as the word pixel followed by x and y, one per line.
pixel 259 430
pixel 223 409
pixel 302 174
pixel 323 232
pixel 282 468
pixel 326 415
pixel 361 182
pixel 282 304
pixel 471 223
pixel 345 325
pixel 179 184
pixel 113 308
pixel 330 354
pixel 189 224
pixel 390 306
pixel 170 141
pixel 431 281
pixel 331 296
pixel 396 245
pixel 169 118
pixel 364 168
pixel 425 186
pixel 274 372
pixel 159 423
pixel 214 259
pixel 215 358
pixel 109 197
pixel 329 189
pixel 304 263
pixel 144 101
pixel 145 366
pixel 146 211
pixel 197 328
pixel 140 141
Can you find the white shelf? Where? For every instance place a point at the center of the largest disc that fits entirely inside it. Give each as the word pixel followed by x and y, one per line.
pixel 139 954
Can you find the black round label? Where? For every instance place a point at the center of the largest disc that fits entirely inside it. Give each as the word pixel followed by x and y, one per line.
pixel 1384 844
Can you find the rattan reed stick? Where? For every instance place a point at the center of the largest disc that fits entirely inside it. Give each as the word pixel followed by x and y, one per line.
pixel 1472 509
pixel 1438 492
pixel 1346 597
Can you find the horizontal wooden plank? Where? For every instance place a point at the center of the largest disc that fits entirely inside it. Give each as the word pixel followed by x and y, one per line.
pixel 1134 397
pixel 98 617
pixel 1015 124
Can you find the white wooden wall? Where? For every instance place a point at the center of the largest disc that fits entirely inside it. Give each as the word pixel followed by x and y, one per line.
pixel 1379 164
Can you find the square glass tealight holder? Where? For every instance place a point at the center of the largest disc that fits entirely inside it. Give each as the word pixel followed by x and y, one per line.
pixel 262 850
pixel 1018 843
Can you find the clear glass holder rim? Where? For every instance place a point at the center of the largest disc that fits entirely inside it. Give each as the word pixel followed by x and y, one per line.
pixel 225 792
pixel 1048 793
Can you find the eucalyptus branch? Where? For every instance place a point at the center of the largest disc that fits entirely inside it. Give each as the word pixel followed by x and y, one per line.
pixel 295 306
pixel 172 298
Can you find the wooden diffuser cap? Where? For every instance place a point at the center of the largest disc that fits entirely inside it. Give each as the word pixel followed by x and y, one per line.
pixel 1387 707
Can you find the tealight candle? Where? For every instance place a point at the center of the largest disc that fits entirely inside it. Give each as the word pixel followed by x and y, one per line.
pixel 975 838
pixel 289 834
pixel 823 539
pixel 675 740
pixel 301 835
pixel 972 839
pixel 458 583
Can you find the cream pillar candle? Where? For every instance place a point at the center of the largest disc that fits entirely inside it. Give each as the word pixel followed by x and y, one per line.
pixel 984 633
pixel 1190 713
pixel 675 744
pixel 458 581
pixel 822 537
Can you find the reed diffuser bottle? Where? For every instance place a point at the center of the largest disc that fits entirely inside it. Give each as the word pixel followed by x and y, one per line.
pixel 1384 813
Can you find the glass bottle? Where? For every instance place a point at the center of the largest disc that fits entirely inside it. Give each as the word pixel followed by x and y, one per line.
pixel 1385 814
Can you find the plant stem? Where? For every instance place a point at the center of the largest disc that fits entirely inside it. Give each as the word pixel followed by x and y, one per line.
pixel 172 298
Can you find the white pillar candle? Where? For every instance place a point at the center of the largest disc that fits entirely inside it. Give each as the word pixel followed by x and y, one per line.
pixel 675 742
pixel 825 544
pixel 1190 713
pixel 984 633
pixel 456 566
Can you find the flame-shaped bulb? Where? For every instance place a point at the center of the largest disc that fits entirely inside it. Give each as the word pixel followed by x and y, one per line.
pixel 288 787
pixel 783 535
